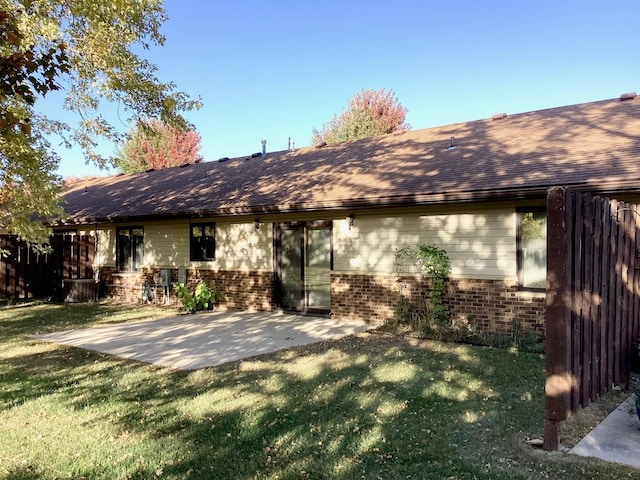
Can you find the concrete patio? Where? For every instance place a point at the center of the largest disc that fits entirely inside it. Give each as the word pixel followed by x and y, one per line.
pixel 189 342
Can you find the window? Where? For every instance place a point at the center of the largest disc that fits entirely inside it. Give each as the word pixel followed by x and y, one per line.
pixel 203 242
pixel 130 248
pixel 532 248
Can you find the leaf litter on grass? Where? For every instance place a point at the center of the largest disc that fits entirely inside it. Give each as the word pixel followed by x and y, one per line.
pixel 370 406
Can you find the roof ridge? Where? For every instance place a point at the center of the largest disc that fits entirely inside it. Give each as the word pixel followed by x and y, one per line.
pixel 518 114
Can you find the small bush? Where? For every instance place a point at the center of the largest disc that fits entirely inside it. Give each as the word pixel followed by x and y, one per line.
pixel 431 317
pixel 202 298
pixel 436 265
pixel 403 313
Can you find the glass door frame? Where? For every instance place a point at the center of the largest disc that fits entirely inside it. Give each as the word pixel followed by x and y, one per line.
pixel 302 227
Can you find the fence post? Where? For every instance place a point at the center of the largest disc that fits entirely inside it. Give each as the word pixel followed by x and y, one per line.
pixel 557 322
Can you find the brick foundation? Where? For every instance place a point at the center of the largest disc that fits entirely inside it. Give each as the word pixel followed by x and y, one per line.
pixel 251 291
pixel 121 287
pixel 487 305
pixel 496 305
pixel 357 297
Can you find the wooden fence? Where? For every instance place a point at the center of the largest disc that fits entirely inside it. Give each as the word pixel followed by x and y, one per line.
pixel 27 274
pixel 592 301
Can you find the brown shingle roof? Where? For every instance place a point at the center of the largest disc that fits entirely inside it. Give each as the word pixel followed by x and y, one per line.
pixel 593 145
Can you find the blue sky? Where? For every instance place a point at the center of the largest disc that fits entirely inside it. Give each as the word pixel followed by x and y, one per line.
pixel 277 69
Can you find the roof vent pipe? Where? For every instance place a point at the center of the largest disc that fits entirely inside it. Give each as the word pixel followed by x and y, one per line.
pixel 264 147
pixel 452 143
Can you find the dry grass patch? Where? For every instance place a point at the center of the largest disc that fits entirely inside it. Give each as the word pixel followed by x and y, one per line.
pixel 580 424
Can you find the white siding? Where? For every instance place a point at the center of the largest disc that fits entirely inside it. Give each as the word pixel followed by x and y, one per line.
pixel 166 245
pixel 240 247
pixel 479 244
pixel 106 255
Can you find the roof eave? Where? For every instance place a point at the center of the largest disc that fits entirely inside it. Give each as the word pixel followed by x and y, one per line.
pixel 412 200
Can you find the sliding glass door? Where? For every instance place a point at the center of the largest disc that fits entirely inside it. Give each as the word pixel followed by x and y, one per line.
pixel 290 268
pixel 317 268
pixel 303 266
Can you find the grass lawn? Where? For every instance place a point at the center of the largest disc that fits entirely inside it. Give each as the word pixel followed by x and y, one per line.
pixel 369 407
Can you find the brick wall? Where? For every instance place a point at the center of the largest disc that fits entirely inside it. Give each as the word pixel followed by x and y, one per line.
pixel 488 305
pixel 251 291
pixel 357 297
pixel 495 305
pixel 242 290
pixel 121 287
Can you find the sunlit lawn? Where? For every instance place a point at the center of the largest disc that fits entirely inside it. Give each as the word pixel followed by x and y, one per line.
pixel 368 407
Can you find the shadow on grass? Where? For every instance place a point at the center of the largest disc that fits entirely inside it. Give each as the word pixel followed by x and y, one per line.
pixel 373 406
pixel 30 319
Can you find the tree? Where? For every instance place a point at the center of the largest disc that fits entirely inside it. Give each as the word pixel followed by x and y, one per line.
pixel 86 49
pixel 369 113
pixel 157 145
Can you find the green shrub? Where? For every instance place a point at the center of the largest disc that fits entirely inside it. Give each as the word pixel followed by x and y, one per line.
pixel 525 341
pixel 202 298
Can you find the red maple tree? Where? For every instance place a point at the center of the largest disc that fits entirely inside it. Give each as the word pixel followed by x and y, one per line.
pixel 369 113
pixel 156 145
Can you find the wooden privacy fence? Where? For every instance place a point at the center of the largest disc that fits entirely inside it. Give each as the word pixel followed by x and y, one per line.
pixel 28 274
pixel 592 301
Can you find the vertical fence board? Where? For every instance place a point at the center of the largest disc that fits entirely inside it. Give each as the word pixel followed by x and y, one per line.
pixel 596 298
pixel 613 292
pixel 557 317
pixel 625 313
pixel 576 289
pixel 67 262
pixel 631 282
pixel 635 324
pixel 19 271
pixel 11 273
pixel 605 288
pixel 587 296
pixel 617 341
pixel 3 267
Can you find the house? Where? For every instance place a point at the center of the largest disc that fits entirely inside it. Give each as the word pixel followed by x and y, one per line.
pixel 317 229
